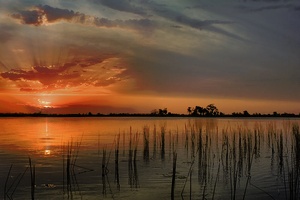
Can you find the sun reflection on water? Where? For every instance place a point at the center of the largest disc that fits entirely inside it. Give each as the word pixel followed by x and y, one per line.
pixel 47 152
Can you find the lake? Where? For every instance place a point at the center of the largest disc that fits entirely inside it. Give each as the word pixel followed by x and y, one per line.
pixel 139 158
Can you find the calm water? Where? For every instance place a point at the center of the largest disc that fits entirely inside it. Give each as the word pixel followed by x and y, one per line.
pixel 132 158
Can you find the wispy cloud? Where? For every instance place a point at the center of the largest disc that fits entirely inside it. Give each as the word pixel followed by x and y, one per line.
pixel 268 7
pixel 179 19
pixel 123 5
pixel 44 14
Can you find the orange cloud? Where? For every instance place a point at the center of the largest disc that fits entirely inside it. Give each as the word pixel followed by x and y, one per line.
pixel 96 72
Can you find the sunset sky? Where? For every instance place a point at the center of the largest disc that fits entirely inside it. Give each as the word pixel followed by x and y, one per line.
pixel 71 56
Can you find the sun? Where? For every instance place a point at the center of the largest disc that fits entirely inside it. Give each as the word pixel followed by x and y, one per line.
pixel 44 104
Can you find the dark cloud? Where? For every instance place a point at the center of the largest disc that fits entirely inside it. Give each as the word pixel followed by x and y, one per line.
pixel 46 14
pixel 33 17
pixel 195 23
pixel 269 1
pixel 179 18
pixel 54 14
pixel 43 14
pixel 123 5
pixel 263 8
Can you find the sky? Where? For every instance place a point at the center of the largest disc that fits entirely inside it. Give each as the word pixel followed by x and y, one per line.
pixel 102 56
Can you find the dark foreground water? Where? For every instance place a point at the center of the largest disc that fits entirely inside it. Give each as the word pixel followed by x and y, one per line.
pixel 133 158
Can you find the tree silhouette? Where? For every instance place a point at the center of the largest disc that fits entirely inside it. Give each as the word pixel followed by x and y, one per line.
pixel 189 109
pixel 246 113
pixel 163 111
pixel 212 110
pixel 198 110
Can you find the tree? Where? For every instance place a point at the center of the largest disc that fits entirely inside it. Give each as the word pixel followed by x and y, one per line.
pixel 189 109
pixel 246 113
pixel 163 111
pixel 195 111
pixel 154 112
pixel 198 110
pixel 212 110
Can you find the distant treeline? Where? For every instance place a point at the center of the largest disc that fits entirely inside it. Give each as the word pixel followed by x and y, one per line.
pixel 209 111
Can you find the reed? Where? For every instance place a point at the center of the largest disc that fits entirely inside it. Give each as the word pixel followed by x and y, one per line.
pixel 293 173
pixel 186 133
pixel 117 176
pixel 19 178
pixel 248 175
pixel 132 158
pixel 146 143
pixel 200 146
pixel 32 178
pixel 68 168
pixel 154 142
pixel 280 153
pixel 216 180
pixel 170 143
pixel 124 144
pixel 173 174
pixel 241 153
pixel 225 158
pixel 135 171
pixel 5 193
pixel 233 169
pixel 189 175
pixel 14 185
pixel 162 145
pixel 193 138
pixel 104 172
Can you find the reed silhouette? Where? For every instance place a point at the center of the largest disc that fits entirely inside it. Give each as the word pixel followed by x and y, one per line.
pixel 217 160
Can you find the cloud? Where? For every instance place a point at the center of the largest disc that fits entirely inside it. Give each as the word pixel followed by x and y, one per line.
pixel 181 19
pixel 271 7
pixel 88 72
pixel 192 52
pixel 123 5
pixel 44 14
pixel 34 17
pixel 268 1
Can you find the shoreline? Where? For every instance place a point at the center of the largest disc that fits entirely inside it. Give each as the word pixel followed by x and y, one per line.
pixel 111 115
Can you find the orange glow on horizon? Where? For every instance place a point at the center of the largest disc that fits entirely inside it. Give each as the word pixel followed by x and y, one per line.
pixel 117 102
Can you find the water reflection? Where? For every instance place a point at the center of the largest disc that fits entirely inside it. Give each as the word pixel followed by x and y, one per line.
pixel 226 153
pixel 47 152
pixel 46 140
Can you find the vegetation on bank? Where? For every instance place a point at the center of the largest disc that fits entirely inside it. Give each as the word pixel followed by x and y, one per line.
pixel 209 111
